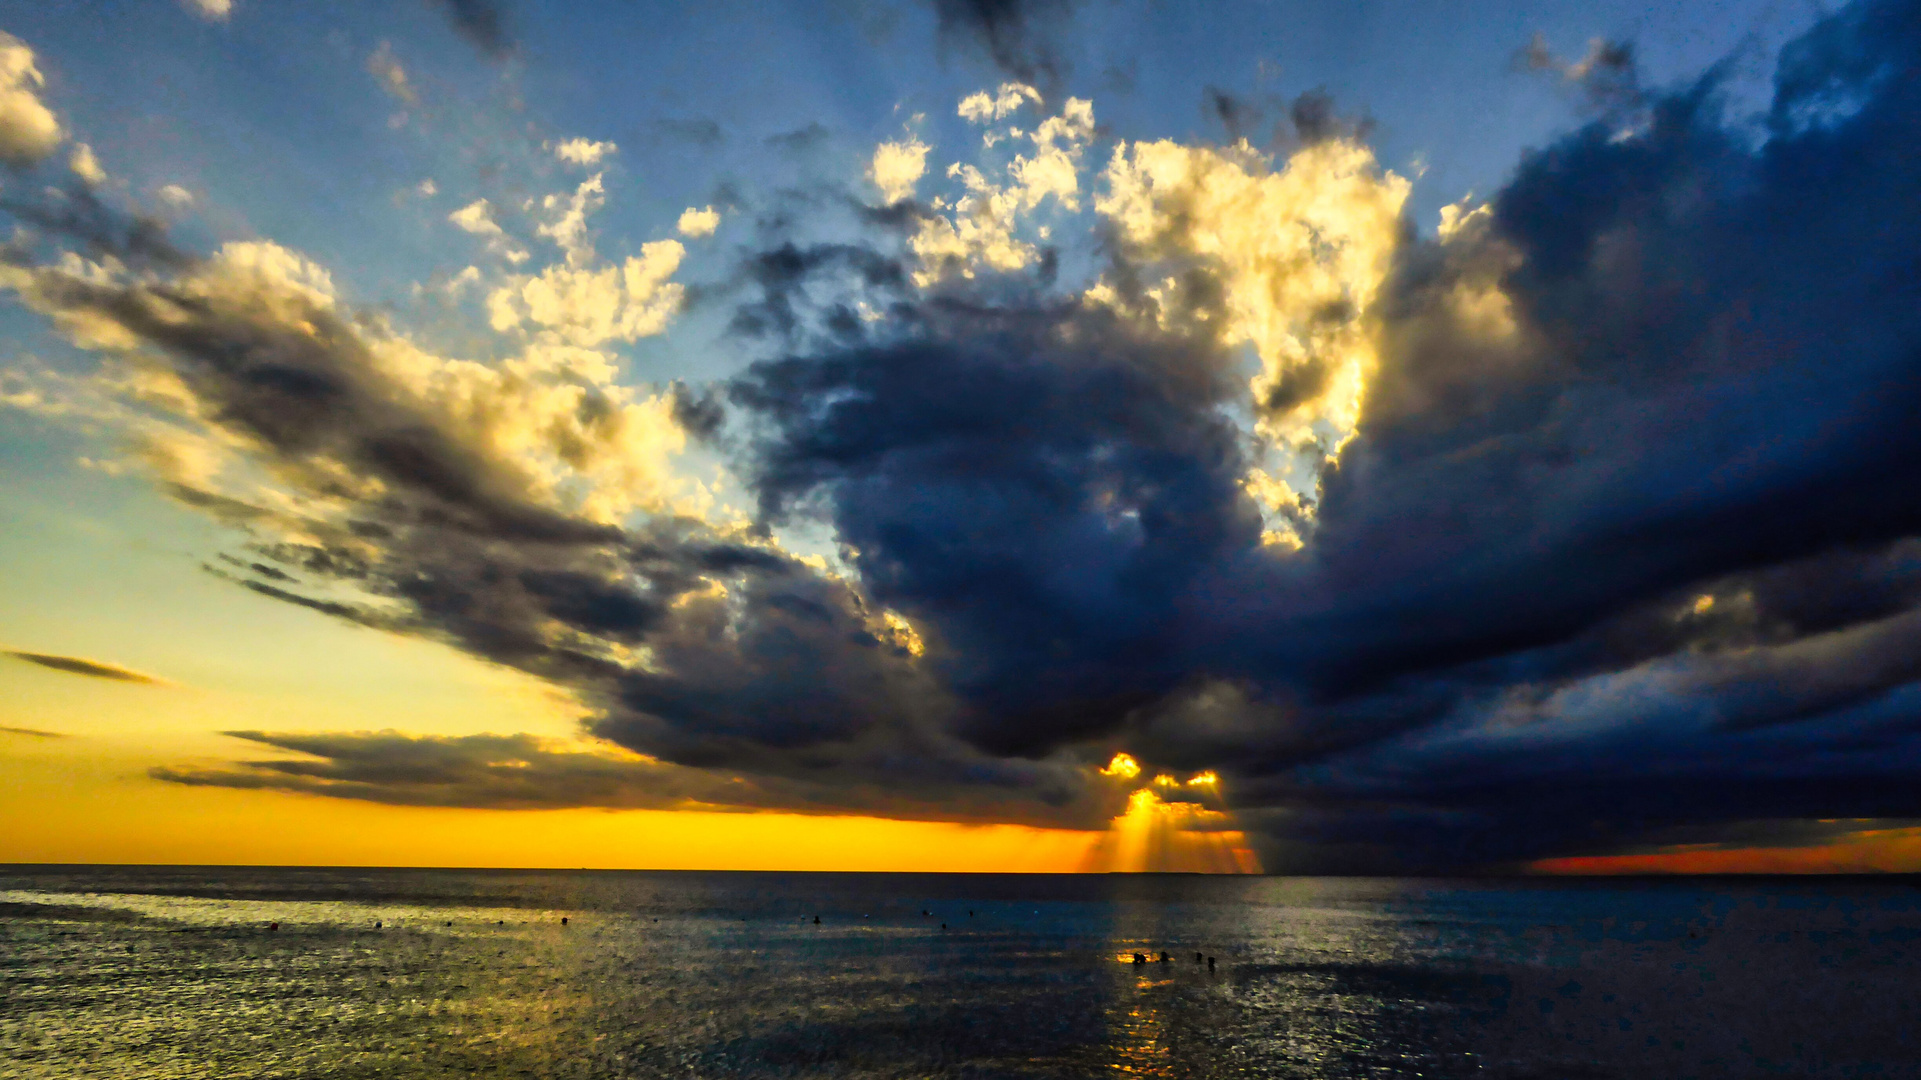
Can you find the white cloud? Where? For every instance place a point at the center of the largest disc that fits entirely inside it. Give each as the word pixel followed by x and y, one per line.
pixel 897 167
pixel 551 425
pixel 176 196
pixel 699 222
pixel 569 230
pixel 217 10
pixel 28 129
pixel 86 166
pixel 984 107
pixel 427 189
pixel 584 307
pixel 477 217
pixel 583 151
pixel 1298 253
pixel 983 227
pixel 386 69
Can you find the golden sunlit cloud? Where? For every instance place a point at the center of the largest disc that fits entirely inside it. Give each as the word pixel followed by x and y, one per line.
pixel 28 129
pixel 1154 836
pixel 1184 834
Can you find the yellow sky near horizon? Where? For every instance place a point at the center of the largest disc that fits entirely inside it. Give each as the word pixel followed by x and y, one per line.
pixel 69 800
pixel 85 796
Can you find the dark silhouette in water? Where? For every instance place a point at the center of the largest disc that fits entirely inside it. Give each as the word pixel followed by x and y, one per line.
pixel 1197 958
pixel 1210 963
pixel 563 920
pixel 1140 958
pixel 816 920
pixel 1164 957
pixel 273 926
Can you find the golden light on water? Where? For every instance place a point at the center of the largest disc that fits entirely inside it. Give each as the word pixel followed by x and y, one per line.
pixel 1189 832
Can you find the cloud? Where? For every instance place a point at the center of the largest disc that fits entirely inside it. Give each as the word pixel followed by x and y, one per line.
pixel 1020 37
pixel 983 107
pixel 582 151
pixel 698 222
pixel 386 69
pixel 476 217
pixel 29 131
pixel 483 23
pixel 80 666
pixel 1606 75
pixel 496 772
pixel 897 167
pixel 988 226
pixel 1291 260
pixel 528 513
pixel 34 733
pixel 798 141
pixel 214 10
pixel 586 306
pixel 86 166
pixel 701 132
pixel 509 772
pixel 1036 491
pixel 1532 446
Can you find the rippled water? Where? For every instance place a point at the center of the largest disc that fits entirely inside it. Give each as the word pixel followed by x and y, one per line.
pixel 172 972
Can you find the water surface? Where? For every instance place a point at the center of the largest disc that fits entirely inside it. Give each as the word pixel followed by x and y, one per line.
pixel 174 972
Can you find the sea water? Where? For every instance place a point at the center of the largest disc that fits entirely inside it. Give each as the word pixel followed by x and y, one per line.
pixel 177 972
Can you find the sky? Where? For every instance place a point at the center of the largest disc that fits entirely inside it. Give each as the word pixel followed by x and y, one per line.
pixel 975 435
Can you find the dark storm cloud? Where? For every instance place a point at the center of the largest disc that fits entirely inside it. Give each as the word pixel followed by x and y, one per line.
pixel 1311 117
pixel 1045 487
pixel 484 771
pixel 80 666
pixel 483 23
pixel 1606 76
pixel 1650 559
pixel 523 772
pixel 700 131
pixel 1020 37
pixel 796 287
pixel 1645 559
pixel 800 140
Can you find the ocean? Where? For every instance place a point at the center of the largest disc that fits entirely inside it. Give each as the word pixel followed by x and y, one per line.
pixel 152 972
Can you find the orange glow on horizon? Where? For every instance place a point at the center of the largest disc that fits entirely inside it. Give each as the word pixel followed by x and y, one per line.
pixel 1869 851
pixel 104 810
